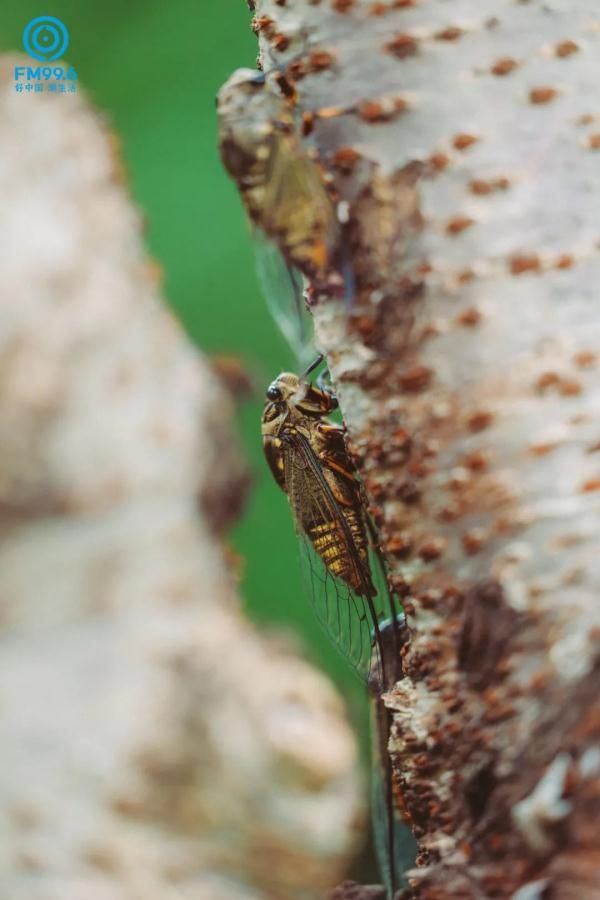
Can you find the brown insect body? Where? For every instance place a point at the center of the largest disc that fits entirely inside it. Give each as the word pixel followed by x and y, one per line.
pixel 309 461
pixel 307 455
pixel 280 184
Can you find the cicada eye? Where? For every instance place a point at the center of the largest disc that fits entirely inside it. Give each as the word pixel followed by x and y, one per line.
pixel 273 392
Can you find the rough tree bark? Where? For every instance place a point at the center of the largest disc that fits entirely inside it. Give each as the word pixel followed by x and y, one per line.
pixel 153 745
pixel 465 152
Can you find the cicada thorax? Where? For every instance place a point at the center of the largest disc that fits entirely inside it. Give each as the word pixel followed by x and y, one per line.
pixel 319 478
pixel 280 183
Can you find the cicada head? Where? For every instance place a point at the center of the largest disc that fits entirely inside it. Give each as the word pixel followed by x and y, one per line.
pixel 285 389
pixel 298 397
pixel 281 397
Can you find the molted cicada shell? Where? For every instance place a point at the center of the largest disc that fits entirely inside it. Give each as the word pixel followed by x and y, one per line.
pixel 283 191
pixel 281 185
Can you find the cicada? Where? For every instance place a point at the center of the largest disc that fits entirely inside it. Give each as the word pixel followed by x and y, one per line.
pixel 307 455
pixel 283 191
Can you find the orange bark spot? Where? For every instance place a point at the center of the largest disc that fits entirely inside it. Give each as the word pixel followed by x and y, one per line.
pixel 439 161
pixel 592 484
pixel 480 420
pixel 477 461
pixel 452 33
pixel 541 95
pixel 463 140
pixel 566 48
pixel 402 46
pixel 565 261
pixel 319 60
pixel 524 262
pixel 473 541
pixel 432 549
pixel 585 359
pixel 484 186
pixel 280 42
pixel 415 379
pixel 465 276
pixel 458 224
pixel 469 317
pixel 504 66
pixel 543 449
pixel 373 112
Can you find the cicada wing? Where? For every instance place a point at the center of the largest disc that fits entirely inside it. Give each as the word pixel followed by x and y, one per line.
pixel 283 289
pixel 382 823
pixel 350 618
pixel 343 614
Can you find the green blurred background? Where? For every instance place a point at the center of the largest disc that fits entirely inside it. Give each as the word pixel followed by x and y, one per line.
pixel 154 69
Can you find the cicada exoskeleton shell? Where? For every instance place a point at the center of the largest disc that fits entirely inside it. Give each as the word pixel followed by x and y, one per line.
pixel 283 190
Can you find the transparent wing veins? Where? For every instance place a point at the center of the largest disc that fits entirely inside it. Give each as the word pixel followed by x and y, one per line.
pixel 349 617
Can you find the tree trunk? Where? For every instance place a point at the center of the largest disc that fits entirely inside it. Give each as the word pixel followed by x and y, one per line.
pixel 462 142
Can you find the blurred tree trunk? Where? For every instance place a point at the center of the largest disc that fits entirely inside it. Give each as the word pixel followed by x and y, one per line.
pixel 154 745
pixel 465 156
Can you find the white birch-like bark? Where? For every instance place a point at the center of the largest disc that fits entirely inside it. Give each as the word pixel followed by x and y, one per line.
pixel 466 155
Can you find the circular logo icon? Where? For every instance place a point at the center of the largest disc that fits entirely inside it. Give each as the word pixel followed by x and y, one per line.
pixel 45 38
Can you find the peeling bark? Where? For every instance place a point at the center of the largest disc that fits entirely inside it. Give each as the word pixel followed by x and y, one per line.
pixel 153 744
pixel 462 141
